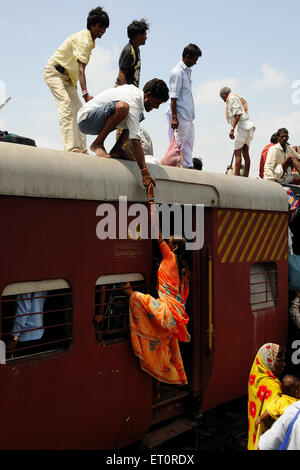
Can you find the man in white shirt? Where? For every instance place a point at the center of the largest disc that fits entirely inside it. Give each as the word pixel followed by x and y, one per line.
pixel 281 159
pixel 274 437
pixel 237 116
pixel 122 107
pixel 181 113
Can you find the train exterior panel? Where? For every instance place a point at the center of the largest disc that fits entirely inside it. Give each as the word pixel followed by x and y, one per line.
pixel 249 253
pixel 82 393
pixel 89 396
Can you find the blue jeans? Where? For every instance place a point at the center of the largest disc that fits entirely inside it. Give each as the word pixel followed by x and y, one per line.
pixel 96 119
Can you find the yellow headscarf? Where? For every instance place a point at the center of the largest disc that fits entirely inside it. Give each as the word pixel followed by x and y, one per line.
pixel 262 387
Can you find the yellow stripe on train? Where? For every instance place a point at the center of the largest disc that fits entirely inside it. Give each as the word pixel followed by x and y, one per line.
pixel 251 236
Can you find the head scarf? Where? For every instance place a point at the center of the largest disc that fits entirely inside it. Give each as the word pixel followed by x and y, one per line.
pixel 268 353
pixel 262 387
pixel 243 101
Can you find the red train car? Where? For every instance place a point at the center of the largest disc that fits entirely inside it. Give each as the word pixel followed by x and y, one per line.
pixel 80 386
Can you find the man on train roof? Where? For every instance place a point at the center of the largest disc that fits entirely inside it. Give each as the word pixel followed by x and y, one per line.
pixel 63 70
pixel 122 107
pixel 130 62
pixel 130 58
pixel 242 129
pixel 281 159
pixel 181 112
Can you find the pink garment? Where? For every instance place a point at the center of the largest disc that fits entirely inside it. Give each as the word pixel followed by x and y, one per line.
pixel 173 156
pixel 186 133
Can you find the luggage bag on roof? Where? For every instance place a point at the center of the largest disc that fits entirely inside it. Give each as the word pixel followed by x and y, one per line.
pixel 16 139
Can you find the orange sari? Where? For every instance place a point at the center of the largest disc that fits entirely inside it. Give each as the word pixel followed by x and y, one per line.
pixel 156 325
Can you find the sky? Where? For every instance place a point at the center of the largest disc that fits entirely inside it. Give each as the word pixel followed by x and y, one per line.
pixel 252 47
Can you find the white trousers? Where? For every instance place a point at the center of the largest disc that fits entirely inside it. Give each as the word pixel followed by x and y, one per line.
pixel 187 137
pixel 68 105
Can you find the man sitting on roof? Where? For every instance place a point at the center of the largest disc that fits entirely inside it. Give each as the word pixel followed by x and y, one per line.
pixel 122 107
pixel 281 158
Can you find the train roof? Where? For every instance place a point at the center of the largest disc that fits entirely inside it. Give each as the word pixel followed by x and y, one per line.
pixel 38 172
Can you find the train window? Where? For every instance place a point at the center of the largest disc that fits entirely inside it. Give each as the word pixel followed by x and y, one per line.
pixel 111 306
pixel 263 286
pixel 36 318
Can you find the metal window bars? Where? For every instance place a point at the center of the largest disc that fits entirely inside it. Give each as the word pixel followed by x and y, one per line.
pixel 56 327
pixel 263 286
pixel 112 311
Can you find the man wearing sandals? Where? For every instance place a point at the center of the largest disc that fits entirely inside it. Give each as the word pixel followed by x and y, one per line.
pixel 122 107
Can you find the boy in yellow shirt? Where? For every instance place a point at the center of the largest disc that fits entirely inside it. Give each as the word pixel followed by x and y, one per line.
pixel 62 71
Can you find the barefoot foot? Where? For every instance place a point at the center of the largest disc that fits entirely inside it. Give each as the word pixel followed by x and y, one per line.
pixel 80 151
pixel 100 151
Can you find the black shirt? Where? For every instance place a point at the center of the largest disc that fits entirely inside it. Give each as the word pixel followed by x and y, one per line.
pixel 130 60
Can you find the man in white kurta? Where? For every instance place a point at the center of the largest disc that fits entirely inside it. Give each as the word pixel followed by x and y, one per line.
pixel 242 129
pixel 274 437
pixel 281 159
pixel 181 113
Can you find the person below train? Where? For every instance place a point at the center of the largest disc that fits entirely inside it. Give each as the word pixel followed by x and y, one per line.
pixel 264 383
pixel 285 432
pixel 156 325
pixel 122 107
pixel 290 388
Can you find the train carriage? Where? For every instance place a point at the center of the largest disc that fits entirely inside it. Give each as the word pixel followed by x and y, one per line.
pixel 81 387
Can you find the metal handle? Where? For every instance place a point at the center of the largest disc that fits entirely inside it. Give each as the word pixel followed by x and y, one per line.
pixel 210 316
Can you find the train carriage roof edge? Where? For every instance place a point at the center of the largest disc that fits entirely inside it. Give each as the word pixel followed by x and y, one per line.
pixel 38 172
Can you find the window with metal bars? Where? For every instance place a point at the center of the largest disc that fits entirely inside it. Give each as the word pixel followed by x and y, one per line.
pixel 112 306
pixel 36 321
pixel 263 286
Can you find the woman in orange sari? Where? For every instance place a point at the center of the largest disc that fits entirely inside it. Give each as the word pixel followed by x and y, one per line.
pixel 156 325
pixel 264 386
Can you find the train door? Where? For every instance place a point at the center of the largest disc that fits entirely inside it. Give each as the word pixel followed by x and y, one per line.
pixel 176 400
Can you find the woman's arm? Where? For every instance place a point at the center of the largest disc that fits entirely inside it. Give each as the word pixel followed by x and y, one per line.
pixel 155 227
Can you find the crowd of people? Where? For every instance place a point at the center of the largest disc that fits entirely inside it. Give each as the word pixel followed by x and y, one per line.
pixel 122 106
pixel 273 395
